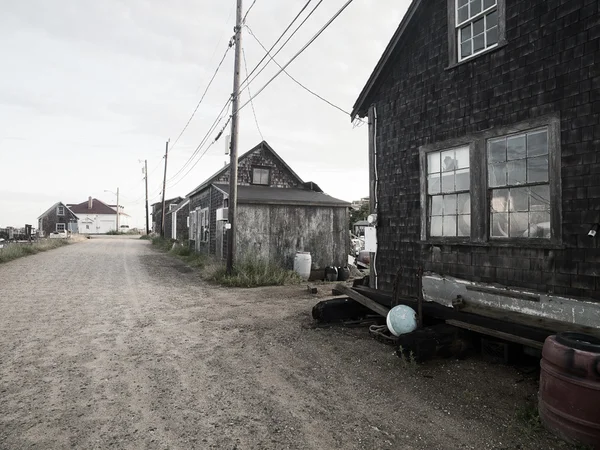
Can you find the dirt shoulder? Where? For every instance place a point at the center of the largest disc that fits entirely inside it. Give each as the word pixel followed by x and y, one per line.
pixel 120 346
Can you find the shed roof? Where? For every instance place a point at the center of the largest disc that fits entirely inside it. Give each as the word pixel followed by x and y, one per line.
pixel 282 196
pixel 55 206
pixel 263 145
pixel 362 105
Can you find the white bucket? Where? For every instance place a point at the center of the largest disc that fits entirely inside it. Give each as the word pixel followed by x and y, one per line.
pixel 303 264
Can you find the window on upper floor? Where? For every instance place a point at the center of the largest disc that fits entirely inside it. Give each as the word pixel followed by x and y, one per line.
pixel 501 185
pixel 60 211
pixel 261 175
pixel 474 26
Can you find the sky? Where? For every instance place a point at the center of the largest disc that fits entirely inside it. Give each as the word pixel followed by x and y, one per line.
pixel 89 90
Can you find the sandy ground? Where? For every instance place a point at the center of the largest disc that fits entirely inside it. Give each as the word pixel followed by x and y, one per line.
pixel 110 344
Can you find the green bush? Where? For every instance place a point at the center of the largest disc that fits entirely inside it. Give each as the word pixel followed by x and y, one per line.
pixel 254 272
pixel 14 251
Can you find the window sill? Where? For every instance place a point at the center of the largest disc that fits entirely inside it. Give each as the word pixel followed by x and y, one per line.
pixel 500 45
pixel 545 245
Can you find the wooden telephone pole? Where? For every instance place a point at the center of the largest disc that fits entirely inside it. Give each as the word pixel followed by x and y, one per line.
pixel 146 178
pixel 162 222
pixel 233 164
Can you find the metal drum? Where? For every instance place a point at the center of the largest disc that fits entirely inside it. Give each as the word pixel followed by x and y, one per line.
pixel 569 399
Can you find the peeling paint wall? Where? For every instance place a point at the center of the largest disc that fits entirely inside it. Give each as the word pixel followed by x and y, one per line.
pixel 277 232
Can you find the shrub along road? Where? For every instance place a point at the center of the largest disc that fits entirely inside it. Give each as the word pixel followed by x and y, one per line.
pixel 111 344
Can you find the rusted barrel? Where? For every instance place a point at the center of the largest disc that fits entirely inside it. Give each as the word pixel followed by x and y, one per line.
pixel 569 399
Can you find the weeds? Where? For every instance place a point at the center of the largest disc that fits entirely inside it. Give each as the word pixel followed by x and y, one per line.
pixel 254 272
pixel 14 251
pixel 527 418
pixel 408 359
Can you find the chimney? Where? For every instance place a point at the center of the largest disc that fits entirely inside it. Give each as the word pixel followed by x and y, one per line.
pixel 90 202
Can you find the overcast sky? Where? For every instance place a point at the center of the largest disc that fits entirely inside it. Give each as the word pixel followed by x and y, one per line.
pixel 90 88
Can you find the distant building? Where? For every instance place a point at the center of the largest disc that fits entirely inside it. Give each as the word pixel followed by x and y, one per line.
pixel 96 217
pixel 59 218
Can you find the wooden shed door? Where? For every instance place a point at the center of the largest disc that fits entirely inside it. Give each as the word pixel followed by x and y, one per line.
pixel 220 231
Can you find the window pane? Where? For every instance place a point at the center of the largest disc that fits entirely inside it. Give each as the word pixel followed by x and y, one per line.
pixel 537 143
pixel 465 49
pixel 475 7
pixel 539 225
pixel 462 14
pixel 449 225
pixel 478 43
pixel 492 36
pixel 448 182
pixel 448 161
pixel 488 3
pixel 537 169
pixel 433 162
pixel 519 224
pixel 462 158
pixel 519 200
pixel 462 2
pixel 497 174
pixel 463 180
pixel 491 20
pixel 464 225
pixel 478 27
pixel 515 147
pixel 465 33
pixel 499 200
pixel 436 226
pixel 436 204
pixel 516 171
pixel 499 225
pixel 464 203
pixel 497 150
pixel 540 198
pixel 433 184
pixel 449 204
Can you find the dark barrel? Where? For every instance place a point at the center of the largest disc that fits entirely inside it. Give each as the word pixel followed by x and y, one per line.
pixel 569 399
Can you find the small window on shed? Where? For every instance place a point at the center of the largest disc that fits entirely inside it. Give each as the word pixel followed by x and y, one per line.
pixel 60 211
pixel 261 175
pixel 60 227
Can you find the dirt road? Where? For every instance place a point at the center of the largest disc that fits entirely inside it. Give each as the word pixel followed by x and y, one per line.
pixel 110 344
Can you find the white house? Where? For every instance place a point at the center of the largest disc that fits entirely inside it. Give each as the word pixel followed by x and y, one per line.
pixel 96 217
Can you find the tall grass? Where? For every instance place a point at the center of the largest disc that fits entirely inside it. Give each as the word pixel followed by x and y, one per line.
pixel 254 272
pixel 14 251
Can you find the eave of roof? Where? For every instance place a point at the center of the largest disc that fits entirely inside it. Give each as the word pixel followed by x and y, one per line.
pixel 360 107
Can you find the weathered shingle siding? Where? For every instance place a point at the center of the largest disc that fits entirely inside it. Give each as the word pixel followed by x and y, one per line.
pixel 183 233
pixel 551 65
pixel 217 198
pixel 201 200
pixel 280 176
pixel 50 220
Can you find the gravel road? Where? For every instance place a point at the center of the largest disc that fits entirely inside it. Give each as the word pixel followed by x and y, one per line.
pixel 110 344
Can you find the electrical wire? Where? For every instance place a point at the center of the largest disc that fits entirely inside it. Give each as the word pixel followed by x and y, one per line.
pixel 203 95
pixel 250 94
pixel 280 38
pixel 314 38
pixel 248 12
pixel 294 79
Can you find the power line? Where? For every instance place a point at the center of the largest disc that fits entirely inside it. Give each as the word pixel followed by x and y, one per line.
pixel 314 38
pixel 281 37
pixel 203 95
pixel 250 94
pixel 248 12
pixel 292 78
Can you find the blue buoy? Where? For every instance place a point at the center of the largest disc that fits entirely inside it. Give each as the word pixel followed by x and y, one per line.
pixel 401 319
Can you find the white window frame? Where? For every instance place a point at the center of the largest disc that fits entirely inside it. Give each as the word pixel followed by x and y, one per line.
pixel 59 209
pixel 204 225
pixel 470 20
pixel 260 181
pixel 64 227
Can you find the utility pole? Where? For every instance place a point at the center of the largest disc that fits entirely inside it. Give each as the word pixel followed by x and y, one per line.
pixel 233 164
pixel 146 178
pixel 162 222
pixel 118 209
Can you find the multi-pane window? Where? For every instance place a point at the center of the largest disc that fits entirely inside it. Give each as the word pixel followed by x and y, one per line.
pixel 60 211
pixel 448 186
pixel 518 182
pixel 476 26
pixel 260 175
pixel 60 227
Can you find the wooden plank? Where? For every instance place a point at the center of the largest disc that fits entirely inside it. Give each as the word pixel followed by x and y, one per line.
pixel 365 301
pixel 496 333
